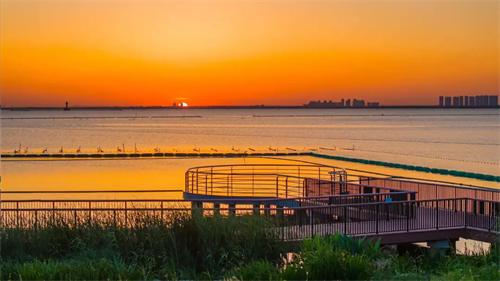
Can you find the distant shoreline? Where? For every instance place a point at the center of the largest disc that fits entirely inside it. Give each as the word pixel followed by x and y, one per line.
pixel 236 107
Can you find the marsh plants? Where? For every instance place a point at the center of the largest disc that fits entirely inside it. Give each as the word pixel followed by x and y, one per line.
pixel 181 247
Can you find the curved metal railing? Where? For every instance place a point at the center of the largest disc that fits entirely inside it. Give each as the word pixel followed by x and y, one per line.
pixel 262 180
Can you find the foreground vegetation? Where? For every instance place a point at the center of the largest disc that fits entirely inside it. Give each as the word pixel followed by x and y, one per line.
pixel 241 248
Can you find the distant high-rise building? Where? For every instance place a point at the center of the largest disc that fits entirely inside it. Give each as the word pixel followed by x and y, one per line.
pixel 472 101
pixel 493 101
pixel 342 102
pixel 456 101
pixel 441 101
pixel 358 103
pixel 479 100
pixel 466 101
pixel 447 101
pixel 486 101
pixel 348 103
pixel 461 101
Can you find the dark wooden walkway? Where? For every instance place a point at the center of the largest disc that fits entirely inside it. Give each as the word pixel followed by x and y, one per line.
pixel 427 224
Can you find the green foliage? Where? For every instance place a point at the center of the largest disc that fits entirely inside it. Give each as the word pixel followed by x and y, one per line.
pixel 181 247
pixel 335 257
pixel 202 245
pixel 88 269
pixel 258 270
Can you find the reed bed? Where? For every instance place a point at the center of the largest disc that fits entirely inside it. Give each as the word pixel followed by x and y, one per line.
pixel 179 246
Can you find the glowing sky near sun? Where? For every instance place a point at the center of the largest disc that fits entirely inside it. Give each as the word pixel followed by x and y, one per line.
pixel 104 53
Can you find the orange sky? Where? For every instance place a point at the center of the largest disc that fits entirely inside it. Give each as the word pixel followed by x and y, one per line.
pixel 103 53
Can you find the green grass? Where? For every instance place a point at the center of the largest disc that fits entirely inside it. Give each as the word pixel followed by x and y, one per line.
pixel 201 246
pixel 181 247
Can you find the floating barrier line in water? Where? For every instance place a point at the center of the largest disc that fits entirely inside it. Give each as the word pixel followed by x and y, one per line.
pixel 83 156
pixel 151 155
pixel 462 174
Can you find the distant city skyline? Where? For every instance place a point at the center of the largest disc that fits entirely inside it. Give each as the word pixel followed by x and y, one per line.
pixel 112 53
pixel 469 101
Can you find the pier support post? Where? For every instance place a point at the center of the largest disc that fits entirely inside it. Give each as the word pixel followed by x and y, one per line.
pixel 196 208
pixel 232 210
pixel 216 209
pixel 280 213
pixel 404 248
pixel 267 210
pixel 256 209
pixel 301 217
pixel 442 247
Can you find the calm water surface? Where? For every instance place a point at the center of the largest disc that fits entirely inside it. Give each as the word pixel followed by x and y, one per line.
pixel 467 140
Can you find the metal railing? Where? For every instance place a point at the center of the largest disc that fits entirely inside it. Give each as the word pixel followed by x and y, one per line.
pixel 294 223
pixel 426 190
pixel 304 200
pixel 284 181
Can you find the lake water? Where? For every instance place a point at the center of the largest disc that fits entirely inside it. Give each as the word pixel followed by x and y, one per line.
pixel 455 139
pixel 458 139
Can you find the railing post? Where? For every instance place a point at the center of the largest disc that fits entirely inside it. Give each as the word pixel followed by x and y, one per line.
pixel 408 217
pixel 437 214
pixel 332 190
pixel 298 182
pixel 277 177
pixel 465 213
pixel 489 216
pixel 376 218
pixel 90 212
pixel 300 217
pixel 206 184
pixel 192 182
pixel 475 203
pixel 17 213
pixel 76 219
pixel 126 217
pixel 197 182
pixel 388 210
pixel 161 213
pixel 345 220
pixel 311 221
pixel 36 219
